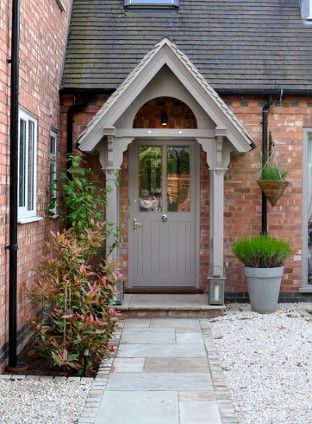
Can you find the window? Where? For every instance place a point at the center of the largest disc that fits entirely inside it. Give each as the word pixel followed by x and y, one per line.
pixel 53 175
pixel 152 3
pixel 27 172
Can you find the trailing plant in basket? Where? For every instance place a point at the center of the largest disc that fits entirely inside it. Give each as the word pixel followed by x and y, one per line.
pixel 271 172
pixel 261 251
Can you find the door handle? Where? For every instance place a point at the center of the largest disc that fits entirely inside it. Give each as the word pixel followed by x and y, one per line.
pixel 136 224
pixel 164 218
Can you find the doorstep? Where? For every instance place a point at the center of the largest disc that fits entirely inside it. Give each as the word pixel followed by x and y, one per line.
pixel 168 305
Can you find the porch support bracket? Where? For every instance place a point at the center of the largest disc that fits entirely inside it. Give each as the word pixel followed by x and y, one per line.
pixel 111 156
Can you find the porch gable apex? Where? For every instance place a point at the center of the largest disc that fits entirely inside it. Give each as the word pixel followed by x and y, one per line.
pixel 165 53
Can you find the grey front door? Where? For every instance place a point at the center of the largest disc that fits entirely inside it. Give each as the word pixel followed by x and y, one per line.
pixel 163 201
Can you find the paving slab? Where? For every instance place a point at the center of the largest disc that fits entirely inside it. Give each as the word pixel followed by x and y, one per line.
pixel 194 350
pixel 198 395
pixel 150 335
pixel 199 412
pixel 128 365
pixel 177 365
pixel 174 322
pixel 137 323
pixel 159 381
pixel 138 408
pixel 189 337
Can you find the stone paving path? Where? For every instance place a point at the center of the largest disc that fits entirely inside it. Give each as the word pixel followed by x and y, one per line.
pixel 166 371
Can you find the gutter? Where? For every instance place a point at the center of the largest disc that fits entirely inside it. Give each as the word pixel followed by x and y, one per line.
pixel 13 246
pixel 264 202
pixel 220 91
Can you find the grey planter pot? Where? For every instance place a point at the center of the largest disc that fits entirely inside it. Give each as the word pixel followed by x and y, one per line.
pixel 263 288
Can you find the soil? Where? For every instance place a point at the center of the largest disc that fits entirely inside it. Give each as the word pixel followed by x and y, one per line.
pixel 31 363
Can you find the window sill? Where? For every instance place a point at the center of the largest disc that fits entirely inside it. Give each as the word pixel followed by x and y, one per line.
pixel 29 219
pixel 306 289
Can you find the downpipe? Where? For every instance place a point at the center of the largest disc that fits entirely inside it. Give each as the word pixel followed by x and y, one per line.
pixel 13 246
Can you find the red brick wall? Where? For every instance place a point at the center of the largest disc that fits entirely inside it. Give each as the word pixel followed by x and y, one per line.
pixel 179 115
pixel 242 194
pixel 43 39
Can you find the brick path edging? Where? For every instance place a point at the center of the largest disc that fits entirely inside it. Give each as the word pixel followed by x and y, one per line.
pixel 95 395
pixel 223 396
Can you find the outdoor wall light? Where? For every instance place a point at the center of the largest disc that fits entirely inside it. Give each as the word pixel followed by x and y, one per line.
pixel 164 119
pixel 216 292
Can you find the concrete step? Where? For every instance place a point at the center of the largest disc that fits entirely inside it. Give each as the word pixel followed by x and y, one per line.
pixel 168 305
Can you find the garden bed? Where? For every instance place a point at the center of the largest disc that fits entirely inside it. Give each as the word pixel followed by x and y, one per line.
pixel 31 363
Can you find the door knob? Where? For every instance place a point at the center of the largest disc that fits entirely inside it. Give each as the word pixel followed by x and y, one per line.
pixel 136 224
pixel 164 218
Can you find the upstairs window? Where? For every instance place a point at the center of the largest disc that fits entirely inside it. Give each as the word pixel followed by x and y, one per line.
pixel 27 165
pixel 152 3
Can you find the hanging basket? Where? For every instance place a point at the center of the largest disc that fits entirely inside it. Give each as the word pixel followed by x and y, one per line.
pixel 273 189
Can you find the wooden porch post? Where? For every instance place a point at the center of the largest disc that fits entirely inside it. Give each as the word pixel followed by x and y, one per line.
pixel 112 211
pixel 111 156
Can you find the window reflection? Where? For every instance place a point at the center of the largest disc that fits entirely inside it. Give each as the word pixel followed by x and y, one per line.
pixel 150 179
pixel 178 178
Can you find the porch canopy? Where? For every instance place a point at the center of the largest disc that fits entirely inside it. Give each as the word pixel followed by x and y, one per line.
pixel 166 71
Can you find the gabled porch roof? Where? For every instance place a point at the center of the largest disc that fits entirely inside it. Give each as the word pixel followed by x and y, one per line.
pixel 165 53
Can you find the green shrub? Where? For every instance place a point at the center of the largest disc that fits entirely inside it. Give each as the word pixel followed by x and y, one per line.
pixel 271 172
pixel 76 300
pixel 75 289
pixel 261 251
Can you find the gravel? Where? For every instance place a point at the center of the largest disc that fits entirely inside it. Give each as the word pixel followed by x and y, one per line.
pixel 267 360
pixel 44 402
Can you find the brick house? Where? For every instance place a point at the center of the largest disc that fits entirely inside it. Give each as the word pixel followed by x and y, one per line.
pixel 43 34
pixel 174 96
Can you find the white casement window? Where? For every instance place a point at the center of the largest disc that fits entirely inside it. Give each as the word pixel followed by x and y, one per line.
pixel 310 10
pixel 27 165
pixel 53 175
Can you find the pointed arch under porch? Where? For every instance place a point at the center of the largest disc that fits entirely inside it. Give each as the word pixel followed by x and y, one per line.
pixel 167 72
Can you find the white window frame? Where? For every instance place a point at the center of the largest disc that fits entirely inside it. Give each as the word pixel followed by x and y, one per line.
pixel 24 212
pixel 309 17
pixel 53 173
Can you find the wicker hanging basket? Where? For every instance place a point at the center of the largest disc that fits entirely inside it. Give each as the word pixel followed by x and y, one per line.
pixel 273 189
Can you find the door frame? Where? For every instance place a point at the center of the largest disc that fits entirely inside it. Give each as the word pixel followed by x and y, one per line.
pixel 196 175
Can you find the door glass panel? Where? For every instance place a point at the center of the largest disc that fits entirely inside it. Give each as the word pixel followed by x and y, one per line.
pixel 150 164
pixel 178 179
